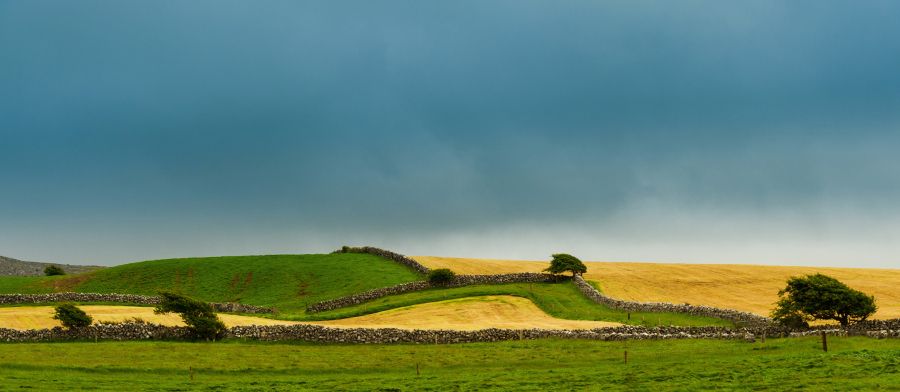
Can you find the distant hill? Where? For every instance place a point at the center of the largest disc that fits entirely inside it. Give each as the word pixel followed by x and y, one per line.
pixel 13 267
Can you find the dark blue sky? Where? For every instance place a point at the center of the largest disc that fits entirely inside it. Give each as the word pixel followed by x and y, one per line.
pixel 696 131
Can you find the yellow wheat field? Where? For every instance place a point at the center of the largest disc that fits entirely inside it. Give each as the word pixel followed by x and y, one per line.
pixel 462 314
pixel 495 311
pixel 37 317
pixel 752 288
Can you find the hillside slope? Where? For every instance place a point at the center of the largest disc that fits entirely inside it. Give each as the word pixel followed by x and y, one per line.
pixel 287 282
pixel 14 267
pixel 752 288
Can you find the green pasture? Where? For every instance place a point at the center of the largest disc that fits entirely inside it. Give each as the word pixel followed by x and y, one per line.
pixel 541 365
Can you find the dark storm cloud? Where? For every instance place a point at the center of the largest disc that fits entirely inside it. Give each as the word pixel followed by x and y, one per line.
pixel 176 128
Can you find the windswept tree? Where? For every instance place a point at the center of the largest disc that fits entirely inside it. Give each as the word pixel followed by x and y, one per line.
pixel 71 316
pixel 821 297
pixel 199 316
pixel 566 263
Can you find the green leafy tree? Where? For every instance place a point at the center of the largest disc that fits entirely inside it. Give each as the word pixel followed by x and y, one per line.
pixel 821 297
pixel 52 270
pixel 566 263
pixel 71 316
pixel 199 316
pixel 440 276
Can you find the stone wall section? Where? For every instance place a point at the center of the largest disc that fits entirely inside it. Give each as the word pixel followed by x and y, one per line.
pixel 743 319
pixel 11 299
pixel 322 334
pixel 415 265
pixel 458 281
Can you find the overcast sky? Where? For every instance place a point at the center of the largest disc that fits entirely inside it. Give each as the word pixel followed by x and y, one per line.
pixel 764 132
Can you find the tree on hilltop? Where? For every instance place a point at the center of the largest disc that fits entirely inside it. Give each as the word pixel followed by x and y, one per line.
pixel 566 263
pixel 821 297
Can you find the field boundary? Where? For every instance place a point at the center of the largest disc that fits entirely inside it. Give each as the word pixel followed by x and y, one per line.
pixel 738 317
pixel 16 299
pixel 322 334
pixel 415 265
pixel 458 281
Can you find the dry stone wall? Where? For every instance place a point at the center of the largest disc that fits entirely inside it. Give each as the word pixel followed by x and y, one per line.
pixel 129 331
pixel 458 281
pixel 743 319
pixel 387 255
pixel 316 333
pixel 10 299
pixel 322 334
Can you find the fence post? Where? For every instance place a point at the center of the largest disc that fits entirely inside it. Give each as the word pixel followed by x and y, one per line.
pixel 626 357
pixel 824 342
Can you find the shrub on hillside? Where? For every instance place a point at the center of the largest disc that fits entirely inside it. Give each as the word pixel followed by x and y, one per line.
pixel 199 316
pixel 52 270
pixel 441 276
pixel 71 316
pixel 566 263
pixel 821 297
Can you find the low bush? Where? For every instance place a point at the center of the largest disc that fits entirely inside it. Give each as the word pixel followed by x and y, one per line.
pixel 52 270
pixel 440 276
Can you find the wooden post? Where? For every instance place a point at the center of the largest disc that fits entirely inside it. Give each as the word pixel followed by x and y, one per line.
pixel 629 315
pixel 824 342
pixel 626 357
pixel 417 368
pixel 191 370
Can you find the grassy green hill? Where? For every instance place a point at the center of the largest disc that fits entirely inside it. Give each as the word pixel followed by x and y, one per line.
pixel 287 282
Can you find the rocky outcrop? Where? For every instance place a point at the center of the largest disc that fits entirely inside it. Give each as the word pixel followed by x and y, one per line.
pixel 743 319
pixel 10 299
pixel 458 281
pixel 14 267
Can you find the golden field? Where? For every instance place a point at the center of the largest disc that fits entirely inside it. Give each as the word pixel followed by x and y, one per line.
pixel 37 317
pixel 460 314
pixel 752 288
pixel 494 311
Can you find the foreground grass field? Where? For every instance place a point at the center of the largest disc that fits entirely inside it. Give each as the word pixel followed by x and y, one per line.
pixel 778 364
pixel 287 282
pixel 561 300
pixel 752 288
